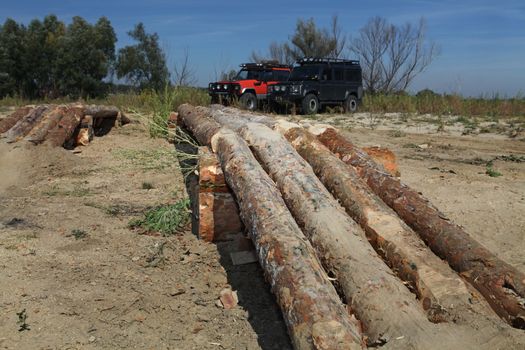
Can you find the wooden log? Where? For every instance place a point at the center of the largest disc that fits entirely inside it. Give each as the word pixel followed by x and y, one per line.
pixel 65 128
pixel 10 121
pixel 502 285
pixel 346 254
pixel 218 212
pixel 385 157
pixel 102 112
pixel 315 317
pixel 48 122
pixel 85 131
pixel 26 124
pixel 441 291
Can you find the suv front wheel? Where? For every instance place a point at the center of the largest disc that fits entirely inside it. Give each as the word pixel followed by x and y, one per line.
pixel 248 101
pixel 350 105
pixel 310 104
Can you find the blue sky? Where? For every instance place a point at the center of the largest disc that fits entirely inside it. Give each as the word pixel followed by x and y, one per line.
pixel 482 42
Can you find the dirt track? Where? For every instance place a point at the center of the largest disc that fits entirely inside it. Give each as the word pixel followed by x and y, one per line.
pixel 96 292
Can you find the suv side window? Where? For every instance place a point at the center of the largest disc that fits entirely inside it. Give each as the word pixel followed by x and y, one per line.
pixel 353 75
pixel 327 73
pixel 280 75
pixel 253 74
pixel 339 73
pixel 266 75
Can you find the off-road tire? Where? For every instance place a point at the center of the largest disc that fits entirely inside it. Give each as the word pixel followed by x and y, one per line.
pixel 350 105
pixel 248 101
pixel 310 104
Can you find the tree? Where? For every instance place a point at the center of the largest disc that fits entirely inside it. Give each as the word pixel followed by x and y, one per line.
pixel 12 51
pixel 42 41
pixel 184 72
pixel 105 39
pixel 48 59
pixel 85 57
pixel 230 75
pixel 307 41
pixel 392 56
pixel 143 64
pixel 279 52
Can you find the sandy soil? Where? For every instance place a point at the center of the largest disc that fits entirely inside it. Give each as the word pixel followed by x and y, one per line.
pixel 98 292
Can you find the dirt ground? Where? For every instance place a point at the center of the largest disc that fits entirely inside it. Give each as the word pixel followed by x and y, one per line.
pixel 85 279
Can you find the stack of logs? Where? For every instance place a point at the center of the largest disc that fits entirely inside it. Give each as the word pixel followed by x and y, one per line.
pixel 355 258
pixel 59 125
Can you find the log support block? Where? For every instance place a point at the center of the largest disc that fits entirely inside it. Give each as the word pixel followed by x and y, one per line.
pixel 218 212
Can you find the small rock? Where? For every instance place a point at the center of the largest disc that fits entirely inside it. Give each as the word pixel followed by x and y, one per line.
pixel 228 299
pixel 203 318
pixel 92 339
pixel 135 258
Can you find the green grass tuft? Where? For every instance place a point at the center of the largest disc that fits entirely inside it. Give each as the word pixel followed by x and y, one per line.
pixel 490 170
pixel 147 185
pixel 166 219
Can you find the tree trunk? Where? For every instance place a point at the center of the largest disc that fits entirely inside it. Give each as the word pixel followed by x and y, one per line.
pixel 24 125
pixel 349 257
pixel 441 291
pixel 315 317
pixel 10 121
pixel 48 122
pixel 66 127
pixel 502 285
pixel 100 111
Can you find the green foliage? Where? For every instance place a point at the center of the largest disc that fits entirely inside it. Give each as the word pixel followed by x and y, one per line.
pixel 22 321
pixel 143 64
pixel 436 104
pixel 166 219
pixel 147 185
pixel 162 103
pixel 490 170
pixel 12 68
pixel 48 59
pixel 83 60
pixel 310 41
pixel 78 234
pixel 148 159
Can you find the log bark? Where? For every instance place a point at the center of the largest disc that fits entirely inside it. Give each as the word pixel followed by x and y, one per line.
pixel 315 317
pixel 102 112
pixel 26 124
pixel 441 291
pixel 48 122
pixel 10 121
pixel 502 285
pixel 65 128
pixel 349 257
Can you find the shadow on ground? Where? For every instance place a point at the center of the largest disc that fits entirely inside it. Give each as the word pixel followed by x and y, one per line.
pixel 248 280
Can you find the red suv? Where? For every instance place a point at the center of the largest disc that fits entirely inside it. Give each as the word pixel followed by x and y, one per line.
pixel 250 86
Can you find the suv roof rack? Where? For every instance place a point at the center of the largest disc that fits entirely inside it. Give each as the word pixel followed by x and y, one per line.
pixel 264 64
pixel 311 60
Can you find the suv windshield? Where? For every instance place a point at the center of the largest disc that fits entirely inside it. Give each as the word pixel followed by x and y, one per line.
pixel 305 73
pixel 245 74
